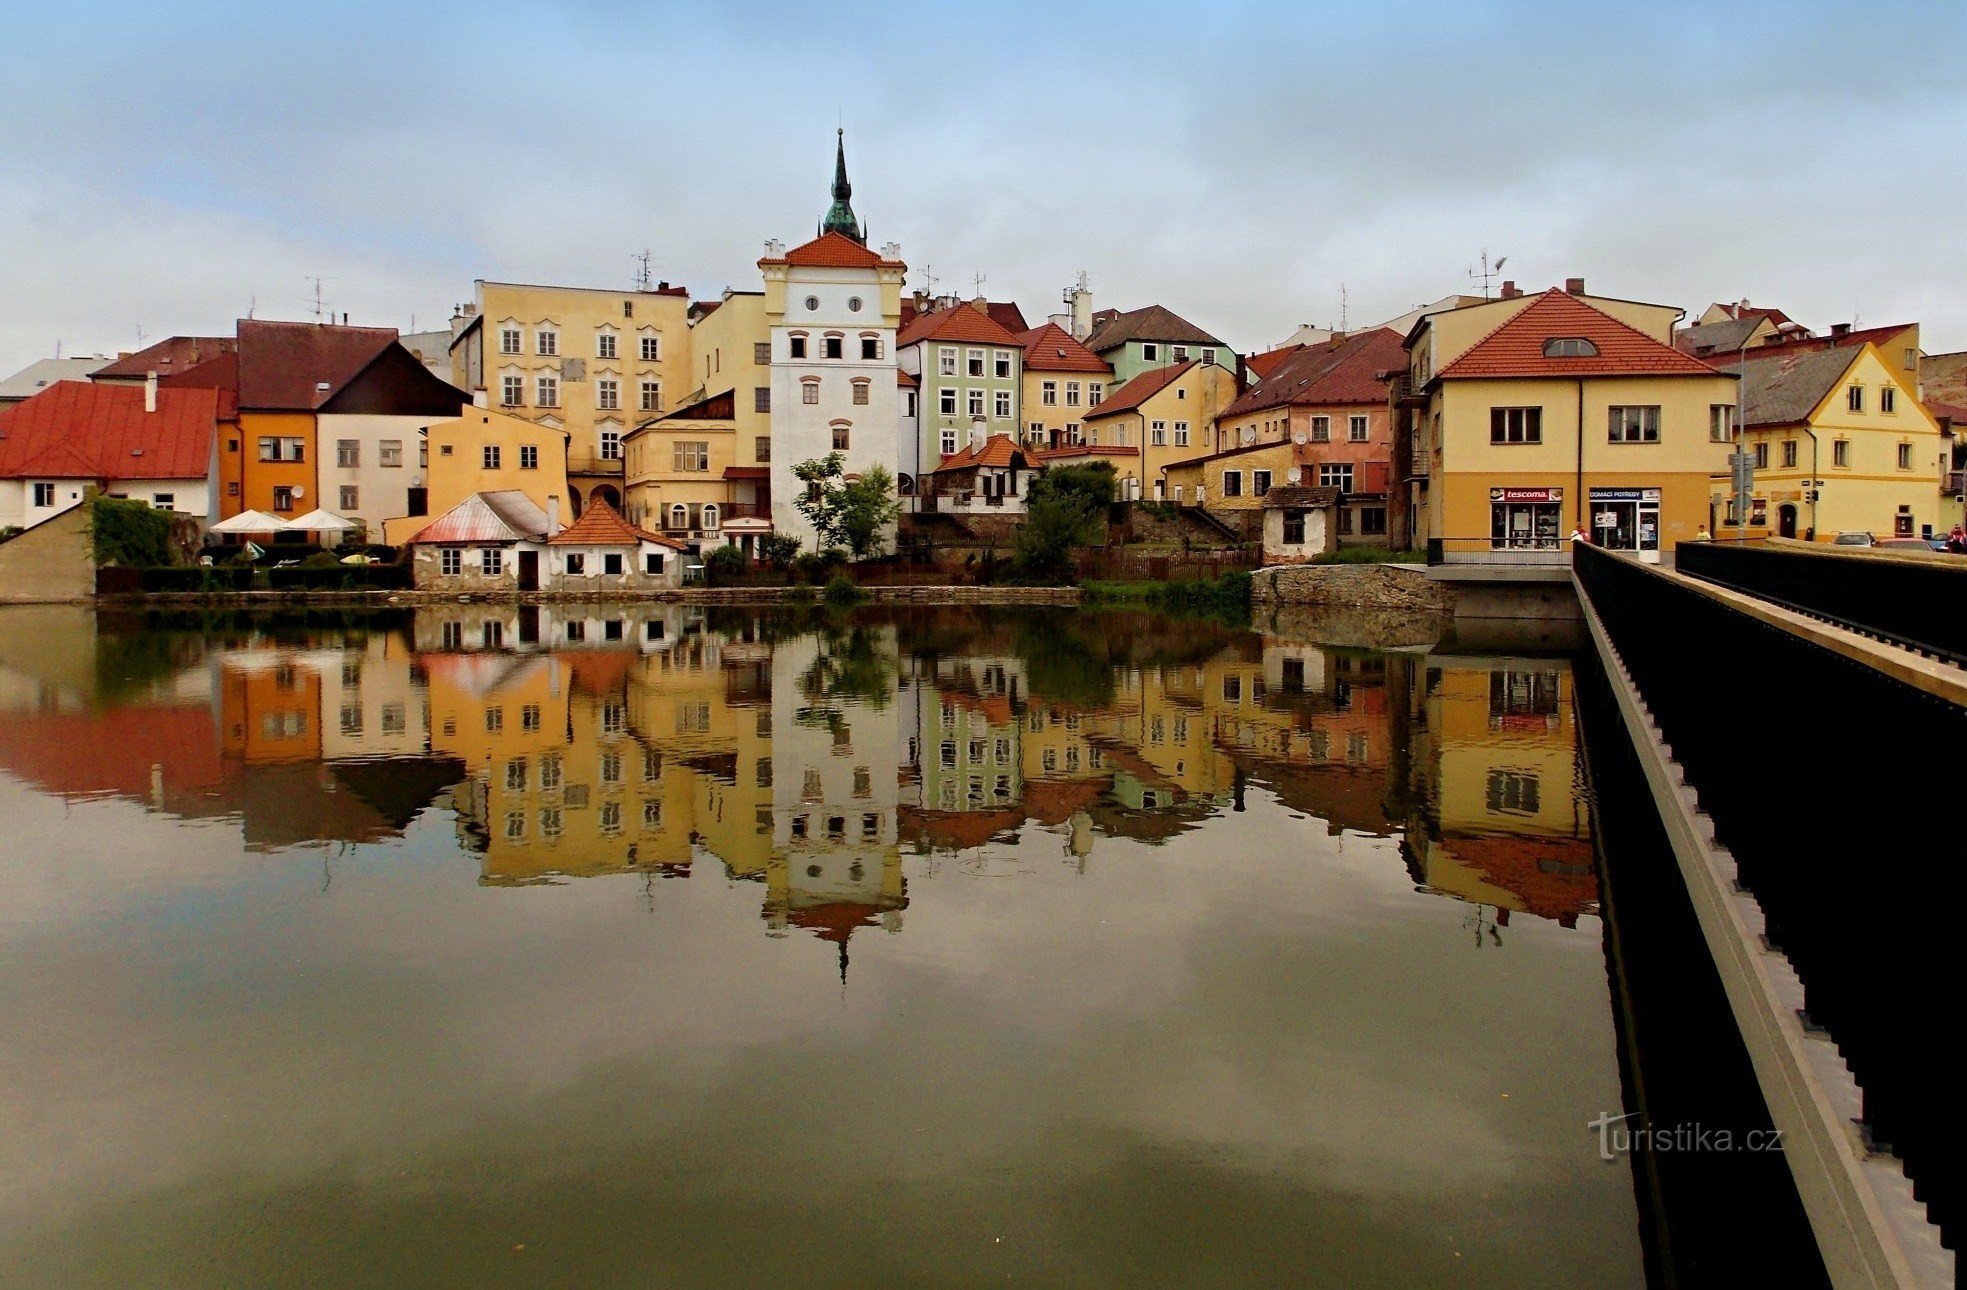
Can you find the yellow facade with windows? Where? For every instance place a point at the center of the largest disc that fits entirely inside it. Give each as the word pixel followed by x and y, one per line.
pixel 1071 396
pixel 675 468
pixel 1869 450
pixel 486 452
pixel 1254 470
pixel 1169 426
pixel 590 361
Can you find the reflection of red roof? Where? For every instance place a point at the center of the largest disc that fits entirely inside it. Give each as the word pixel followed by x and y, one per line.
pixel 602 525
pixel 995 709
pixel 114 750
pixel 1516 348
pixel 957 830
pixel 1553 877
pixel 833 251
pixel 1052 348
pixel 1054 801
pixel 83 430
pixel 1142 388
pixel 603 672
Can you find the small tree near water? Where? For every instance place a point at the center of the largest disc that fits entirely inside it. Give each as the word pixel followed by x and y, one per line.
pixel 850 513
pixel 1062 514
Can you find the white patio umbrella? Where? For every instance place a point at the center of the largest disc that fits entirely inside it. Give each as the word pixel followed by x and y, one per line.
pixel 251 522
pixel 320 521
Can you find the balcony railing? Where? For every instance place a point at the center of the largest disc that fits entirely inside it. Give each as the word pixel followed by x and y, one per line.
pixel 1407 392
pixel 1493 551
pixel 745 510
pixel 1954 483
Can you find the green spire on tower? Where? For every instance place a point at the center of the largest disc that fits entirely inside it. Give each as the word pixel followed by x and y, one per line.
pixel 840 216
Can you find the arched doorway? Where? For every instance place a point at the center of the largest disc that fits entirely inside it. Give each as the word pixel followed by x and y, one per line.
pixel 1786 520
pixel 607 493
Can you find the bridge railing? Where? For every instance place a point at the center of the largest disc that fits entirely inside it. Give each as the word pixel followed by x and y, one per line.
pixel 1912 600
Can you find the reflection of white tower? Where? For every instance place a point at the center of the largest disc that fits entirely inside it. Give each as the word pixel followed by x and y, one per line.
pixel 836 752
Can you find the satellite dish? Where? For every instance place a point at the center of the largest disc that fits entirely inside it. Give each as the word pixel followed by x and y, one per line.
pixel 1294 474
pixel 299 491
pixel 1249 434
pixel 1299 437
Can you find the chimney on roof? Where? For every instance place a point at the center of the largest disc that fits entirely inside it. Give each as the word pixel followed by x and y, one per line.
pixel 150 391
pixel 1574 286
pixel 1840 329
pixel 978 435
pixel 1510 290
pixel 981 305
pixel 552 514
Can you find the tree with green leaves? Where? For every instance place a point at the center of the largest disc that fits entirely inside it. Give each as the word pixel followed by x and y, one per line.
pixel 1065 509
pixel 851 513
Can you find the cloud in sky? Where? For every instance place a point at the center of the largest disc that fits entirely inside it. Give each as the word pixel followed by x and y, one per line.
pixel 1238 163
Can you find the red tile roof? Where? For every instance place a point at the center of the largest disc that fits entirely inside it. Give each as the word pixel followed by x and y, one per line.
pixel 82 430
pixel 1816 344
pixel 1052 348
pixel 602 525
pixel 284 366
pixel 1517 347
pixel 959 323
pixel 906 381
pixel 221 374
pixel 997 451
pixel 166 357
pixel 1342 370
pixel 1265 363
pixel 1005 313
pixel 504 516
pixel 1142 388
pixel 833 251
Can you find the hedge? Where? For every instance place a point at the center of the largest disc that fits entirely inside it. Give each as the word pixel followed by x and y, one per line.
pixel 347 577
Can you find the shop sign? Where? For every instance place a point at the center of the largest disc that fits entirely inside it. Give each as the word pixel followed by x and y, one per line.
pixel 1625 494
pixel 1526 494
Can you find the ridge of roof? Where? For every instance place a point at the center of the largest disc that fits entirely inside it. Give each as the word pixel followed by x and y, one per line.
pixel 88 430
pixel 963 322
pixel 1150 323
pixel 172 354
pixel 1342 370
pixel 1141 388
pixel 1786 393
pixel 998 451
pixel 833 250
pixel 1051 348
pixel 602 525
pixel 284 366
pixel 1515 348
pixel 505 515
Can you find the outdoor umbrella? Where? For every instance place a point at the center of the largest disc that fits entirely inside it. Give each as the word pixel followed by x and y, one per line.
pixel 319 521
pixel 251 522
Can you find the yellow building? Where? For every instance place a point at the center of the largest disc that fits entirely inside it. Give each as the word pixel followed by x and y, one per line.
pixel 1063 382
pixel 589 361
pixel 484 451
pixel 1841 444
pixel 1538 415
pixel 1166 415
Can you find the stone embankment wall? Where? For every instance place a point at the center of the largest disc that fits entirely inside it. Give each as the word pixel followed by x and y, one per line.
pixel 686 596
pixel 1351 586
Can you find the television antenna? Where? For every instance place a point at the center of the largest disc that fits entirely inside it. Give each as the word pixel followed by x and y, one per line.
pixel 319 304
pixel 1344 302
pixel 928 279
pixel 1488 270
pixel 978 278
pixel 645 278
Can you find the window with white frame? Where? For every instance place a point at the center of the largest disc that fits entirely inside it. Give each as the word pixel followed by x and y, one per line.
pixel 1072 394
pixel 1634 423
pixel 1888 399
pixel 974 362
pixel 577 566
pixel 1151 353
pixel 948 442
pixel 390 452
pixel 833 346
pixel 809 391
pixel 1905 456
pixel 691 455
pixel 1356 429
pixel 547 390
pixel 348 453
pixel 513 391
pixel 1232 483
pixel 451 562
pixel 946 401
pixel 1048 393
pixel 509 340
pixel 1259 482
pixel 1001 403
pixel 611 444
pixel 975 401
pixel 1157 434
pixel 1336 475
pixel 1321 429
pixel 1094 393
pixel 651 396
pixel 1840 453
pixel 870 348
pixel 491 561
pixel 607 393
pixel 651 350
pixel 1002 365
pixel 796 345
pixel 546 343
pixel 44 495
pixel 1181 353
pixel 1516 425
pixel 946 360
pixel 1181 434
pixel 1854 398
pixel 604 345
pixel 1720 422
pixel 349 498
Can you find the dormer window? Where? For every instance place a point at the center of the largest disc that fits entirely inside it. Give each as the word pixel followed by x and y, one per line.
pixel 1569 347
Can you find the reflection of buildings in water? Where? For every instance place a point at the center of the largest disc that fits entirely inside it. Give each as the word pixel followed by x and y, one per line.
pixel 1506 820
pixel 643 626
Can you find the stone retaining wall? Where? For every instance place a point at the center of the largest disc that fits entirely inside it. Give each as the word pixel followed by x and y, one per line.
pixel 1353 586
pixel 685 596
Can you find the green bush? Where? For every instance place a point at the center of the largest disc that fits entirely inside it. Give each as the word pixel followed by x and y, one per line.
pixel 840 590
pixel 726 564
pixel 778 550
pixel 1370 555
pixel 129 533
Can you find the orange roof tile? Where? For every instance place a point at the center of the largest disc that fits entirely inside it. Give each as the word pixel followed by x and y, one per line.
pixel 997 451
pixel 960 323
pixel 1343 370
pixel 1051 348
pixel 83 430
pixel 1142 388
pixel 1517 347
pixel 1265 363
pixel 833 251
pixel 602 525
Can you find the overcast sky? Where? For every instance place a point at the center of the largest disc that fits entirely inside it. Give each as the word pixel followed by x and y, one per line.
pixel 168 166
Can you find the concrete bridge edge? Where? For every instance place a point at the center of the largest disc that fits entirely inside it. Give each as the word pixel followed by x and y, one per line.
pixel 1870 1228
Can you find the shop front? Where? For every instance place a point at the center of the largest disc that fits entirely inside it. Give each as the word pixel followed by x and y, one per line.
pixel 1526 519
pixel 1627 519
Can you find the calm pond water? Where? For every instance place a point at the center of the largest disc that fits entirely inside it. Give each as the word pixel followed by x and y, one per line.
pixel 934 946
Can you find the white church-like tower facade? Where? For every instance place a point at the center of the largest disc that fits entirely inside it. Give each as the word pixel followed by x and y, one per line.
pixel 832 307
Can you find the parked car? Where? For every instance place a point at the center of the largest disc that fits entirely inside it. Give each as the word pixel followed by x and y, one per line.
pixel 1920 545
pixel 1854 539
